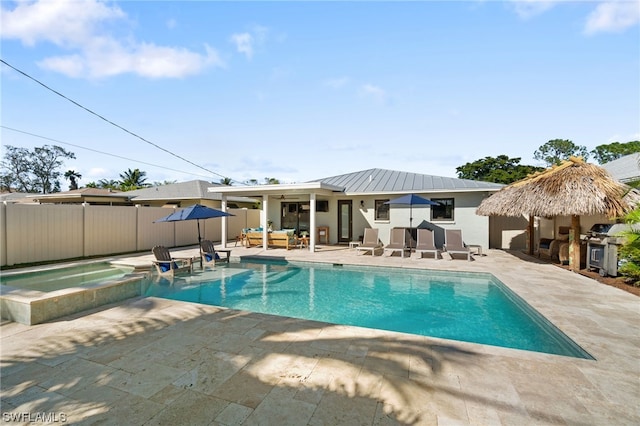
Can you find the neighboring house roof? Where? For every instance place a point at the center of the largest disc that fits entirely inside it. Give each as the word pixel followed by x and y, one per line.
pixel 378 181
pixel 625 169
pixel 191 190
pixel 83 195
pixel 18 197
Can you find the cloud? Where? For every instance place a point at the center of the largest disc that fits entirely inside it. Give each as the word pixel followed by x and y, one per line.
pixel 374 92
pixel 613 17
pixel 526 9
pixel 247 42
pixel 81 28
pixel 337 83
pixel 244 43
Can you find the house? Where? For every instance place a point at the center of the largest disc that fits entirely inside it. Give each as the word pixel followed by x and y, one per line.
pixel 183 194
pixel 94 196
pixel 337 209
pixel 172 195
pixel 625 169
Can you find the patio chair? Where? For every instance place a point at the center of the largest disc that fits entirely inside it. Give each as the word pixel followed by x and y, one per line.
pixel 167 265
pixel 453 243
pixel 426 244
pixel 398 242
pixel 210 256
pixel 370 242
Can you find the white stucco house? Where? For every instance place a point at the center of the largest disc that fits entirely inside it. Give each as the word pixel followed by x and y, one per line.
pixel 341 207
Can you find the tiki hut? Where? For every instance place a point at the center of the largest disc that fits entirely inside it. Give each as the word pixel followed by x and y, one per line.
pixel 574 188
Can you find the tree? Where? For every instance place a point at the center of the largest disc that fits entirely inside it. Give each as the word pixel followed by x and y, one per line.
pixel 271 181
pixel 133 179
pixel 108 184
pixel 72 176
pixel 252 182
pixel 226 181
pixel 613 151
pixel 16 170
pixel 36 171
pixel 630 250
pixel 500 169
pixel 557 150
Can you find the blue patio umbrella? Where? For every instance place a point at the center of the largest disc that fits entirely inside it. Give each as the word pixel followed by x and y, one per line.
pixel 194 212
pixel 411 200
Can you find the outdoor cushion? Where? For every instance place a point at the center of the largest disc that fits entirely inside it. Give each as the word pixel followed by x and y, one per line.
pixel 209 257
pixel 164 267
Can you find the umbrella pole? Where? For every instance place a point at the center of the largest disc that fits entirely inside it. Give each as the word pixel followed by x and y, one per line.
pixel 199 240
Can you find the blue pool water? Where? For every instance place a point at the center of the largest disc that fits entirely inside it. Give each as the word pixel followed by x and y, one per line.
pixel 460 306
pixel 51 279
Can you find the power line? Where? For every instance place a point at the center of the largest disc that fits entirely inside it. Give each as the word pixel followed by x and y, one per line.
pixel 100 152
pixel 109 121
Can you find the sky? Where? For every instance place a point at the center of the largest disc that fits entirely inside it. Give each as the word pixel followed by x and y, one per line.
pixel 299 91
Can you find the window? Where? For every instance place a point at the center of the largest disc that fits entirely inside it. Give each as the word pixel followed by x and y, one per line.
pixel 322 206
pixel 444 209
pixel 382 210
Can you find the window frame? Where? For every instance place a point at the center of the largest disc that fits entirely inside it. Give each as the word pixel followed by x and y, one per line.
pixel 380 205
pixel 447 205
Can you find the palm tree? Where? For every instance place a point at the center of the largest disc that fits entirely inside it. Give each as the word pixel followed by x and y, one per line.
pixel 133 179
pixel 226 181
pixel 271 181
pixel 108 184
pixel 72 176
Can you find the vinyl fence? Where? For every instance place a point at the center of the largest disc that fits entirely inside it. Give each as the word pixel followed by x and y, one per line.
pixel 32 233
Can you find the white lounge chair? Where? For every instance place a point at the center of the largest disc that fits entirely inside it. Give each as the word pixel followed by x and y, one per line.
pixel 398 242
pixel 426 244
pixel 370 242
pixel 453 243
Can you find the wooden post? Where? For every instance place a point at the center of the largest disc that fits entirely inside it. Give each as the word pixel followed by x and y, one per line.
pixel 574 244
pixel 530 230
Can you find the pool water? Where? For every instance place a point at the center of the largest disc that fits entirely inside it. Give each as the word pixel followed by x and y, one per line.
pixel 52 279
pixel 470 307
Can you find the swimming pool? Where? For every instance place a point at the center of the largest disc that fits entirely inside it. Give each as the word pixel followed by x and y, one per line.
pixel 51 292
pixel 471 307
pixel 51 278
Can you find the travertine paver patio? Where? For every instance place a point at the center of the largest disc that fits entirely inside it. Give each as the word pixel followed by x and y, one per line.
pixel 155 361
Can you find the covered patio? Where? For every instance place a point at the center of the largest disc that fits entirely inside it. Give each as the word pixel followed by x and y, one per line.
pixel 310 192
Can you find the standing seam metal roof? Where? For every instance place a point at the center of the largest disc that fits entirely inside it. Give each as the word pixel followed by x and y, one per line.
pixel 382 180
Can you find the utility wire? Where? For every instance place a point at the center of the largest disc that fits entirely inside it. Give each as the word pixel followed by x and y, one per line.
pixel 109 121
pixel 100 152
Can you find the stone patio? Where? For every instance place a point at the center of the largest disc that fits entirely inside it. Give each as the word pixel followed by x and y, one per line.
pixel 154 361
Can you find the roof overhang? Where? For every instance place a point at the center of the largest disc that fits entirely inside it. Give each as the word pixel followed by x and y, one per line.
pixel 317 188
pixel 425 191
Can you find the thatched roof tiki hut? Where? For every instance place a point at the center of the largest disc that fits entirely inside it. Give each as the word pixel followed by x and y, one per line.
pixel 574 188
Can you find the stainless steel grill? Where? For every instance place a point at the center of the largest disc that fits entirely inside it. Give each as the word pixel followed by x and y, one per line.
pixel 602 248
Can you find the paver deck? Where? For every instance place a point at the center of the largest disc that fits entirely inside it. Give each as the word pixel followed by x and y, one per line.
pixel 154 361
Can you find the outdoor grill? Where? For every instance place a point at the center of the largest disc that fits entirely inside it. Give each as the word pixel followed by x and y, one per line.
pixel 602 248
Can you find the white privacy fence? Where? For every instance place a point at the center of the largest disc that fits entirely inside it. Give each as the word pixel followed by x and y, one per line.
pixel 32 233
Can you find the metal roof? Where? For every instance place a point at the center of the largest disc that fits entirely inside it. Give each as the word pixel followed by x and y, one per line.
pixel 378 181
pixel 624 169
pixel 193 189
